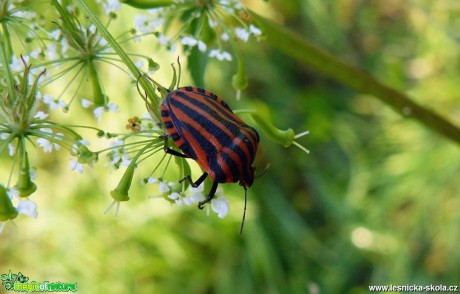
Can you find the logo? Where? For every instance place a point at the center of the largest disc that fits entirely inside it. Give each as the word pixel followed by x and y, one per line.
pixel 20 283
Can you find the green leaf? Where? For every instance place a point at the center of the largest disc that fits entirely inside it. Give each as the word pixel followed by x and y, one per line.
pixel 196 64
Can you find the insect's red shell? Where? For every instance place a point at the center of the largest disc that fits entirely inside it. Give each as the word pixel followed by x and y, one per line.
pixel 204 127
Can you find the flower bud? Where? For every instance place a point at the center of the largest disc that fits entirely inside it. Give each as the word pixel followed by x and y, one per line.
pixel 25 186
pixel 121 191
pixel 283 137
pixel 240 79
pixel 7 210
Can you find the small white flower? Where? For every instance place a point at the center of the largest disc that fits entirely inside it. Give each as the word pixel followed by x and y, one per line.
pixel 112 6
pixel 17 65
pixel 112 107
pixel 12 193
pixel 85 142
pixel 28 207
pixel 188 41
pixel 25 14
pixel 225 36
pixel 52 51
pixel 201 46
pixel 45 144
pixel 86 103
pixel 152 180
pixel 176 197
pixel 33 173
pixel 64 46
pixel 220 206
pixel 146 24
pixel 76 166
pixel 198 189
pixel 137 38
pixel 163 40
pixel 196 195
pixel 220 55
pixel 212 23
pixel 255 30
pixel 194 198
pixel 164 187
pixel 55 34
pixel 53 104
pixel 4 136
pixel 92 29
pixel 139 64
pixel 242 33
pixel 191 41
pixel 117 143
pixel 125 159
pixel 41 115
pixel 11 149
pixel 35 53
pixel 98 111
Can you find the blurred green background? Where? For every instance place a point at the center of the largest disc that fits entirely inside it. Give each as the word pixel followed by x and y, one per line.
pixel 376 202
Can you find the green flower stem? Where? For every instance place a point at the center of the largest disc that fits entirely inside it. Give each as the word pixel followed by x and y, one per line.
pixel 147 4
pixel 5 59
pixel 25 185
pixel 283 137
pixel 300 49
pixel 98 93
pixel 145 84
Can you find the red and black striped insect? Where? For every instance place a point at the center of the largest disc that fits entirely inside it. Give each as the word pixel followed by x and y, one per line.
pixel 205 129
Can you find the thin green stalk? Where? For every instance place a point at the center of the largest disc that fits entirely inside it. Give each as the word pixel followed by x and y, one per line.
pixel 5 59
pixel 145 84
pixel 299 48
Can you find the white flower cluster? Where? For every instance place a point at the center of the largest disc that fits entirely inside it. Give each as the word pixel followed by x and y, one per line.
pixel 217 14
pixel 118 156
pixel 74 163
pixel 219 204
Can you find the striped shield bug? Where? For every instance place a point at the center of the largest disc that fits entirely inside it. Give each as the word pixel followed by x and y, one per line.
pixel 205 129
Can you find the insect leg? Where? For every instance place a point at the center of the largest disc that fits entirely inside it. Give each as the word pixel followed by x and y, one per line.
pixel 172 151
pixel 211 194
pixel 197 183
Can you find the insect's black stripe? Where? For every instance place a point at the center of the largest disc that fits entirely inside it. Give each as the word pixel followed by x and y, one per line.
pixel 164 113
pixel 220 116
pixel 172 130
pixel 253 138
pixel 233 129
pixel 224 139
pixel 210 107
pixel 175 136
pixel 228 163
pixel 169 124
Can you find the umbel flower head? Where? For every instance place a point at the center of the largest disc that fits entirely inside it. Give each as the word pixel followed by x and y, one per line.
pixel 76 50
pixel 22 126
pixel 211 27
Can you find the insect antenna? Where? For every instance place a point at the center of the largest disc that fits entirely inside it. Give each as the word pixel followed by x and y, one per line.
pixel 244 211
pixel 263 173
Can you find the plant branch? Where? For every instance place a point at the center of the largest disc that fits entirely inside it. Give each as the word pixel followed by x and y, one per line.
pixel 299 48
